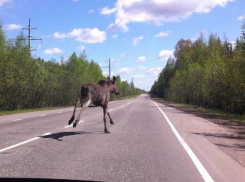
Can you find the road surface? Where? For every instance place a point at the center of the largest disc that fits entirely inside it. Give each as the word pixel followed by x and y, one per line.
pixel 149 142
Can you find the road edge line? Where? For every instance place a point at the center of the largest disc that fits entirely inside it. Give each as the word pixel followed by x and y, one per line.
pixel 195 160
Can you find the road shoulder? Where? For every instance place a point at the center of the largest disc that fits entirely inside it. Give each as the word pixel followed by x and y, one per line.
pixel 230 139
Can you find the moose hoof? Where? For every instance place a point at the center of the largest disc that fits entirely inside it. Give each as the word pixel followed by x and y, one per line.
pixel 71 120
pixel 106 131
pixel 74 125
pixel 111 122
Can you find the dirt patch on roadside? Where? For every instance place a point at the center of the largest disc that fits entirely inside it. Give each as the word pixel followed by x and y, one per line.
pixel 232 138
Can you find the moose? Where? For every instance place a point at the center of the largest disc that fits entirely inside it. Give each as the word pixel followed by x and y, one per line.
pixel 98 95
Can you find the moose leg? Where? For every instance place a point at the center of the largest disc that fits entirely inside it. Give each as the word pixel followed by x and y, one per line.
pixel 111 121
pixel 104 112
pixel 73 115
pixel 84 105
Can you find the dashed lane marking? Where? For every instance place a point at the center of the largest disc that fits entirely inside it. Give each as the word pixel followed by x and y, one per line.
pixel 72 125
pixel 17 119
pixel 22 143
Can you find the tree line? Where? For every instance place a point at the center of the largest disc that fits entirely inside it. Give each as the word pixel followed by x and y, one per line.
pixel 206 73
pixel 27 82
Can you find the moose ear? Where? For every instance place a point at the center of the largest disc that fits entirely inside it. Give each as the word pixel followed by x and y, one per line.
pixel 114 78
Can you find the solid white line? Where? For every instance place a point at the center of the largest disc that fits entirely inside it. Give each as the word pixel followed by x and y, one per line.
pixel 72 125
pixel 17 119
pixel 43 115
pixel 193 157
pixel 27 141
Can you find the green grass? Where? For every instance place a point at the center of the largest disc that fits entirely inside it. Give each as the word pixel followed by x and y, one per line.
pixel 30 110
pixel 50 108
pixel 235 117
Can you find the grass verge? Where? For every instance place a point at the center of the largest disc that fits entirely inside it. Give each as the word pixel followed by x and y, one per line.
pixel 50 108
pixel 210 111
pixel 30 110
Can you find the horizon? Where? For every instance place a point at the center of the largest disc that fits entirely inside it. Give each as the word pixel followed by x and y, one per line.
pixel 137 42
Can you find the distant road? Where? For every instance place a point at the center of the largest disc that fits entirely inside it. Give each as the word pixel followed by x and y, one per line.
pixel 149 142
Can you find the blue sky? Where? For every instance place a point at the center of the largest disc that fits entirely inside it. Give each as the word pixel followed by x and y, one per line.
pixel 137 35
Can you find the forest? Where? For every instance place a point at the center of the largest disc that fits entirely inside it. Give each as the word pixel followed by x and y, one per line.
pixel 27 82
pixel 207 73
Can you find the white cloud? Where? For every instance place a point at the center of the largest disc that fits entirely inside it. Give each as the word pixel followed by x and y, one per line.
pixel 140 59
pixel 91 11
pixel 105 73
pixel 84 35
pixel 241 17
pixel 114 36
pixel 163 34
pixel 53 51
pixel 154 71
pixel 125 71
pixel 2 2
pixel 12 27
pixel 157 12
pixel 107 11
pixel 137 39
pixel 81 47
pixel 59 35
pixel 121 56
pixel 92 36
pixel 142 68
pixel 165 54
pixel 139 76
pixel 118 24
pixel 76 32
pixel 193 39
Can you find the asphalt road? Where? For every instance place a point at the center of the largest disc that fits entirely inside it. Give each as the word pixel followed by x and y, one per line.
pixel 149 142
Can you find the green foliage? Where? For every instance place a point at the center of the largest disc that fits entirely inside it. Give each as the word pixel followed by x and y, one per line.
pixel 28 83
pixel 209 74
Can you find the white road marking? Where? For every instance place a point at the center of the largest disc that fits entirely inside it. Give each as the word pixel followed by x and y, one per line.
pixel 122 100
pixel 195 160
pixel 72 125
pixel 43 115
pixel 27 141
pixel 123 106
pixel 111 110
pixel 17 119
